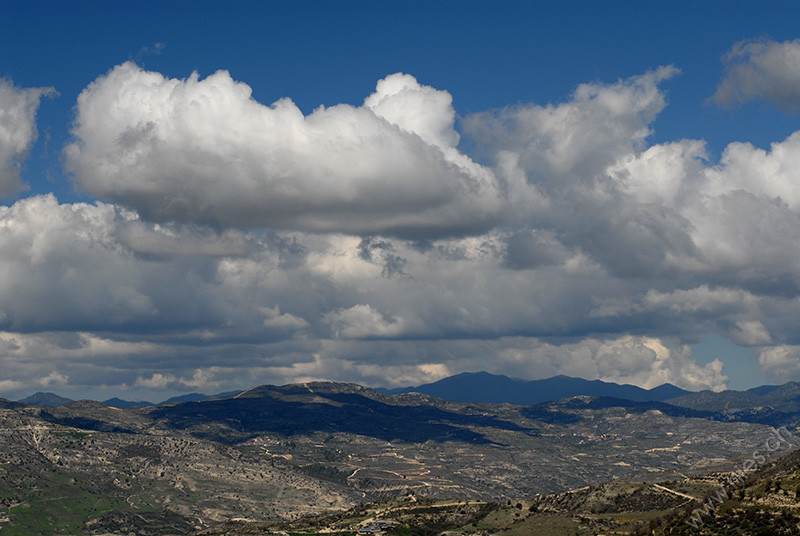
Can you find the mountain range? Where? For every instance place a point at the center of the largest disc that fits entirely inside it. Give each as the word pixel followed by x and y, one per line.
pixel 273 452
pixel 772 404
pixel 482 387
pixel 52 400
pixel 468 387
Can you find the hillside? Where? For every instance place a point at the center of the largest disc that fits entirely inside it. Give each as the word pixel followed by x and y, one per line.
pixel 763 503
pixel 62 479
pixel 277 452
pixel 783 398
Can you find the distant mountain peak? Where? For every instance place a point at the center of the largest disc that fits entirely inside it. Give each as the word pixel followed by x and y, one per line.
pixel 50 400
pixel 119 403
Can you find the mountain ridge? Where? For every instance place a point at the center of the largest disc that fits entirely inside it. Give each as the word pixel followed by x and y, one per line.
pixel 483 387
pixel 784 398
pixel 53 400
pixel 486 388
pixel 50 400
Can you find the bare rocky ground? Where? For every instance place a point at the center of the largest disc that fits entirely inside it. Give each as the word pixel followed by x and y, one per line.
pixel 764 504
pixel 275 455
pixel 60 479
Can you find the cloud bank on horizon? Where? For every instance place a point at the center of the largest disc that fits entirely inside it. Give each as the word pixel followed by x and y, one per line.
pixel 234 242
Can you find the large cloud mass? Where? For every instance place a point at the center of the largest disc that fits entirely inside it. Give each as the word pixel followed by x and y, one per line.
pixel 358 243
pixel 204 151
pixel 171 305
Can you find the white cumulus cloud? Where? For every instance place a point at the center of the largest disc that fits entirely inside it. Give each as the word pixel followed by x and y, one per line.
pixel 576 139
pixel 363 321
pixel 18 108
pixel 780 362
pixel 644 361
pixel 204 151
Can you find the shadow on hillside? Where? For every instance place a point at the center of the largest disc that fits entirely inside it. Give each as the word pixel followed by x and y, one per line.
pixel 238 419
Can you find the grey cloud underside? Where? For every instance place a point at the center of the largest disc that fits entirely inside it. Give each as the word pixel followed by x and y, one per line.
pixel 761 69
pixel 244 240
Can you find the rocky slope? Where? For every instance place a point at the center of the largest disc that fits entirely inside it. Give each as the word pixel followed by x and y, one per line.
pixel 276 453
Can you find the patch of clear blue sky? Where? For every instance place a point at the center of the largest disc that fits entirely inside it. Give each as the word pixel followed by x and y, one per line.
pixel 741 364
pixel 486 54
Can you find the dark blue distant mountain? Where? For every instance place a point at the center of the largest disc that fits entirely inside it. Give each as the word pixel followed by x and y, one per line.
pixel 779 398
pixel 50 400
pixel 197 397
pixel 666 391
pixel 482 387
pixel 191 397
pixel 763 389
pixel 119 403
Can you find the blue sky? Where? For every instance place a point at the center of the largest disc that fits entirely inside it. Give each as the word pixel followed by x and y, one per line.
pixel 573 209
